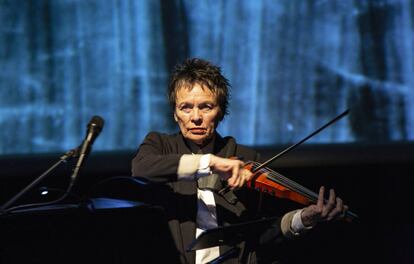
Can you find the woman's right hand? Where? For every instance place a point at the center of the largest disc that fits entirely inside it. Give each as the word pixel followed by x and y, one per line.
pixel 230 170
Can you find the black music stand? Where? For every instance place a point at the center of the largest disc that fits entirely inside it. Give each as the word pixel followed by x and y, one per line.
pixel 102 230
pixel 230 236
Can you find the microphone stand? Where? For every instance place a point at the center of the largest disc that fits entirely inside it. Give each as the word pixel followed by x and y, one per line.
pixel 64 158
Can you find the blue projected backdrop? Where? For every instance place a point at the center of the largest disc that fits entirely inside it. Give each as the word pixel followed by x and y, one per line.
pixel 293 66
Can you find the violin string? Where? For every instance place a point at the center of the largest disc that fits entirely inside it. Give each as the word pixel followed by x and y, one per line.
pixel 305 191
pixel 279 178
pixel 283 180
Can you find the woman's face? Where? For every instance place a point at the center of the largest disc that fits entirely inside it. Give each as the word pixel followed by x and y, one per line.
pixel 197 113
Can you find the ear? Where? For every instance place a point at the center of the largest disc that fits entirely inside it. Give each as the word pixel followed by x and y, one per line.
pixel 175 117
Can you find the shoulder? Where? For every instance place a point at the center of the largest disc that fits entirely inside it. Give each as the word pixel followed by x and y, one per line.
pixel 165 143
pixel 247 153
pixel 243 151
pixel 155 136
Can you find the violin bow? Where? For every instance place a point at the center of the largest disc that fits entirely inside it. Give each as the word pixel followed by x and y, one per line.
pixel 280 154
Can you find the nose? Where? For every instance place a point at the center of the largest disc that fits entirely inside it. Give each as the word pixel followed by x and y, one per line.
pixel 196 116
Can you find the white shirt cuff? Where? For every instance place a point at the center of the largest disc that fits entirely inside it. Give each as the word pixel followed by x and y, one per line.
pixel 297 225
pixel 204 166
pixel 191 167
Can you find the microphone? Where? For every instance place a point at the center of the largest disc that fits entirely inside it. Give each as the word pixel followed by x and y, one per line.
pixel 93 129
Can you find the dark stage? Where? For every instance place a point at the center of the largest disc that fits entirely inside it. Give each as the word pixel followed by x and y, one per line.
pixel 374 180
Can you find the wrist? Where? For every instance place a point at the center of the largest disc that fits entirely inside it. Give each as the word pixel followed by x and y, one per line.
pixel 204 166
pixel 298 225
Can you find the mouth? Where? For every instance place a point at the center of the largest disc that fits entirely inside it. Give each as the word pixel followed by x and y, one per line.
pixel 198 130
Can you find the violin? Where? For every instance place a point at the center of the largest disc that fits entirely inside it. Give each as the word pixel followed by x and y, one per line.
pixel 269 181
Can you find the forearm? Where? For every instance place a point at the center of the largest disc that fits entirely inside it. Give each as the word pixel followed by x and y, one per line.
pixel 284 228
pixel 156 168
pixel 167 168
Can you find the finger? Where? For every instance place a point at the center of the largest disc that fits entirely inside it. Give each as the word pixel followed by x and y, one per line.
pixel 241 176
pixel 344 211
pixel 339 204
pixel 233 181
pixel 338 210
pixel 248 174
pixel 230 183
pixel 329 205
pixel 319 203
pixel 244 176
pixel 237 182
pixel 241 182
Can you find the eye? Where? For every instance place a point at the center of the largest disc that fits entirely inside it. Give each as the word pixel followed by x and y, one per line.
pixel 186 108
pixel 206 107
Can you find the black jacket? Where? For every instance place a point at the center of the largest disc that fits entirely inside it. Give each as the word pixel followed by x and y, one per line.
pixel 157 161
